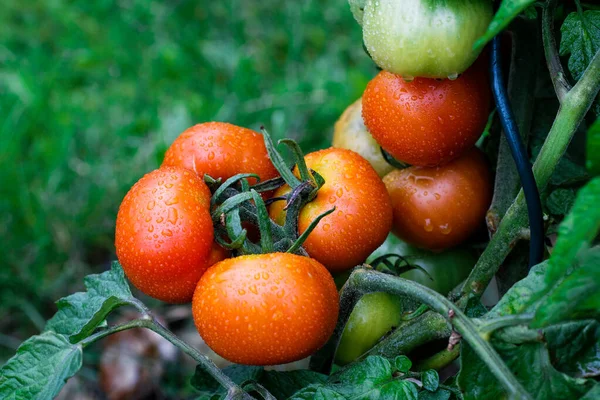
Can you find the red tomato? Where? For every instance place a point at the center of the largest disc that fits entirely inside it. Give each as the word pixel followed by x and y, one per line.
pixel 439 207
pixel 427 121
pixel 266 309
pixel 363 214
pixel 221 150
pixel 164 233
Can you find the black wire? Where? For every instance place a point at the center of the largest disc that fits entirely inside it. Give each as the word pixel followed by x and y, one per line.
pixel 519 153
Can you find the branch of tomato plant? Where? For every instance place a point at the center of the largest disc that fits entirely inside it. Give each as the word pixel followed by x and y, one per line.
pixel 557 72
pixel 570 114
pixel 439 360
pixel 150 322
pixel 363 280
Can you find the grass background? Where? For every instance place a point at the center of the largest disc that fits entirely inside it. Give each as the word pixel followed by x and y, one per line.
pixel 93 92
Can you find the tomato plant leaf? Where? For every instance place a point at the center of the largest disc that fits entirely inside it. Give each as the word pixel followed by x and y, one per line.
pixel 441 394
pixel 593 394
pixel 285 383
pixel 402 363
pixel 40 368
pixel 517 299
pixel 593 149
pixel 559 202
pixel 317 392
pixel 568 173
pixel 576 297
pixel 530 363
pixel 580 38
pixel 80 313
pixel 430 380
pixel 575 348
pixel 575 233
pixel 508 10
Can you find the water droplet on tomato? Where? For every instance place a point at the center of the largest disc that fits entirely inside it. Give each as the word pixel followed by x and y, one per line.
pixel 428 225
pixel 151 204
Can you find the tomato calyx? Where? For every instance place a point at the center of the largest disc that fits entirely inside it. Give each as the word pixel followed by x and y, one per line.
pixel 392 161
pixel 396 264
pixel 239 210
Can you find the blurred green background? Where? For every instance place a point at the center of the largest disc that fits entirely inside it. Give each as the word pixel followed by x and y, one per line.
pixel 93 92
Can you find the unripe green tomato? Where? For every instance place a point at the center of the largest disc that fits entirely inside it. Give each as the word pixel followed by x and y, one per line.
pixel 426 38
pixel 446 269
pixel 374 315
pixel 351 133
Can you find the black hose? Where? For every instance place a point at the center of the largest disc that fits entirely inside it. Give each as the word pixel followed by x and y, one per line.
pixel 519 153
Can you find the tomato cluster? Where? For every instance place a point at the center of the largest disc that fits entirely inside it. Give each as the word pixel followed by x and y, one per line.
pixel 259 278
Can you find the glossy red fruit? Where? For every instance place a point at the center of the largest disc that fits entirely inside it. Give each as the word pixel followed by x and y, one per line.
pixel 363 215
pixel 221 150
pixel 439 207
pixel 266 309
pixel 427 122
pixel 164 233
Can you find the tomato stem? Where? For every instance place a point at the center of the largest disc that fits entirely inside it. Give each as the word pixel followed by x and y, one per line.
pixel 557 73
pixel 438 360
pixel 364 281
pixel 149 322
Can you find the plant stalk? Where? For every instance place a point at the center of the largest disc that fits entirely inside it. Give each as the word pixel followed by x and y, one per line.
pixel 373 281
pixel 557 73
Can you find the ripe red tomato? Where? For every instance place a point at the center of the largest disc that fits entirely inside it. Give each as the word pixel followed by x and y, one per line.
pixel 363 214
pixel 427 121
pixel 439 207
pixel 221 150
pixel 164 233
pixel 266 309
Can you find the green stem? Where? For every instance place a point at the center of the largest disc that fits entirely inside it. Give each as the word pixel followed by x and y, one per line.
pixel 411 334
pixel 490 326
pixel 575 105
pixel 372 281
pixel 438 360
pixel 557 73
pixel 151 323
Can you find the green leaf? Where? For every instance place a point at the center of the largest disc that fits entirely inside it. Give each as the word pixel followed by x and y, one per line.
pixel 517 299
pixel 508 10
pixel 593 394
pixel 568 173
pixel 531 365
pixel 431 380
pixel 284 384
pixel 575 348
pixel 80 313
pixel 576 232
pixel 575 297
pixel 560 201
pixel 40 368
pixel 317 392
pixel 441 394
pixel 581 39
pixel 402 364
pixel 593 149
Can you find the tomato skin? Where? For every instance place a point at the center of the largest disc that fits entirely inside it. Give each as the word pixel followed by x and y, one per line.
pixel 164 233
pixel 351 133
pixel 221 150
pixel 427 122
pixel 363 214
pixel 266 309
pixel 374 315
pixel 446 269
pixel 426 38
pixel 439 207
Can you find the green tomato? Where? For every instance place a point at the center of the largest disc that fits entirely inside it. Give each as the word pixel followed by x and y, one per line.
pixel 374 315
pixel 446 269
pixel 351 133
pixel 426 38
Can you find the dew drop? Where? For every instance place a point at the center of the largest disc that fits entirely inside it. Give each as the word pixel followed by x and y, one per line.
pixel 151 204
pixel 241 292
pixel 167 232
pixel 172 218
pixel 445 229
pixel 428 225
pixel 437 196
pixel 277 315
pixel 253 289
pixel 326 227
pixel 211 155
pixel 169 185
pixel 151 228
pixel 453 76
